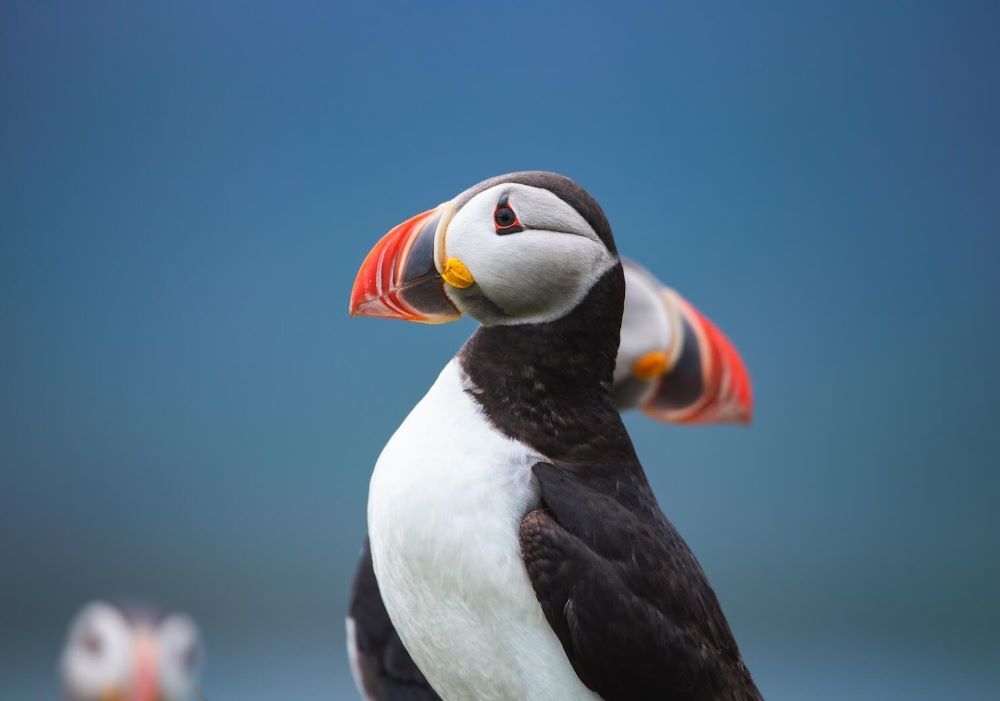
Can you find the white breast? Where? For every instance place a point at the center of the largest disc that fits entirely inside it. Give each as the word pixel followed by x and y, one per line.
pixel 447 496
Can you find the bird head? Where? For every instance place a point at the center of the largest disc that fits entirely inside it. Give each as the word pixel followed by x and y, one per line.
pixel 111 654
pixel 516 249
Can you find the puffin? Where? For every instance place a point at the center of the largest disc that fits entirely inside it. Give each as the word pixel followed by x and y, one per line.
pixel 673 363
pixel 128 653
pixel 516 544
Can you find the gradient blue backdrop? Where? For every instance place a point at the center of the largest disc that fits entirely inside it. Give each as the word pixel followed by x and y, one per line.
pixel 187 414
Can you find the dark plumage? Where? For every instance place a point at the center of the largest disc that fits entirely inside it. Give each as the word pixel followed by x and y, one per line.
pixel 623 592
pixel 617 583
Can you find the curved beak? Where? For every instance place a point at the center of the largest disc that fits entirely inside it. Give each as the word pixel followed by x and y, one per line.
pixel 706 380
pixel 400 279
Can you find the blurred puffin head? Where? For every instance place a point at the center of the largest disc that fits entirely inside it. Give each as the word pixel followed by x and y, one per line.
pixel 673 363
pixel 116 654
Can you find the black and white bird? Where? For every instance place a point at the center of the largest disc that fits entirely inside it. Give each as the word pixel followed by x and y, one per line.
pixel 517 546
pixel 672 362
pixel 115 653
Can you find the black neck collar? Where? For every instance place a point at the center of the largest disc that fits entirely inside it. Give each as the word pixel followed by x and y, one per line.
pixel 549 384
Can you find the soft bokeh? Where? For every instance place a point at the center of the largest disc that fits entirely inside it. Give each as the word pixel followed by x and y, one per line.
pixel 188 415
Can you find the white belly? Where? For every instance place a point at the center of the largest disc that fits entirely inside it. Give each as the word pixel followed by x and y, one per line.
pixel 446 500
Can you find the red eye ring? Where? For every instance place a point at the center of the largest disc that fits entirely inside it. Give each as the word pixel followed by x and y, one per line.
pixel 505 218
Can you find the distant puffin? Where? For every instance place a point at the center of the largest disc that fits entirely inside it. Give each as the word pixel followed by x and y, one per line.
pixel 517 545
pixel 671 360
pixel 117 653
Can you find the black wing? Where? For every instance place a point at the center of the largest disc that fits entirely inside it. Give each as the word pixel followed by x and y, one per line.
pixel 382 667
pixel 624 594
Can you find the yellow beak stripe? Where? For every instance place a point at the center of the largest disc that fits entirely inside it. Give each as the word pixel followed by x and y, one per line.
pixel 650 366
pixel 456 274
pixel 112 694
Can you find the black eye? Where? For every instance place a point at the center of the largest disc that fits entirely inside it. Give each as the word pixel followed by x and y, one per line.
pixel 504 218
pixel 190 656
pixel 91 642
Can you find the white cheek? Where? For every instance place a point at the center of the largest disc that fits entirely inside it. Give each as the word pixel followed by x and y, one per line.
pixel 86 673
pixel 86 677
pixel 645 321
pixel 538 275
pixel 177 635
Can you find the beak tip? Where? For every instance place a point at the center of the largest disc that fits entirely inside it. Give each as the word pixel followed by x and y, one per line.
pixel 354 306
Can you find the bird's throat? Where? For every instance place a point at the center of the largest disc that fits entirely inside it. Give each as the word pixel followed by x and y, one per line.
pixel 549 384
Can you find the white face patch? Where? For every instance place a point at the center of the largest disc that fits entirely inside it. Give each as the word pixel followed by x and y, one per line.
pixel 98 653
pixel 180 657
pixel 535 275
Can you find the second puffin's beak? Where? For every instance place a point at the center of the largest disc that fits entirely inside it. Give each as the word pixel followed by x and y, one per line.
pixel 401 277
pixel 705 380
pixel 145 680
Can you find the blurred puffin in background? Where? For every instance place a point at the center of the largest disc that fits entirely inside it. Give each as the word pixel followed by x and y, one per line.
pixel 516 544
pixel 117 653
pixel 672 362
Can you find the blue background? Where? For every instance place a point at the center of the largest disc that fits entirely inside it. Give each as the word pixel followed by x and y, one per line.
pixel 188 415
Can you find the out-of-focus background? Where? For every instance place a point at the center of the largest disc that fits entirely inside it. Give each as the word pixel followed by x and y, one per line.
pixel 188 415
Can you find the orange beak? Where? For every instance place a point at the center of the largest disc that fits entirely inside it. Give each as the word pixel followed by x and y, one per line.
pixel 145 682
pixel 400 278
pixel 707 381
